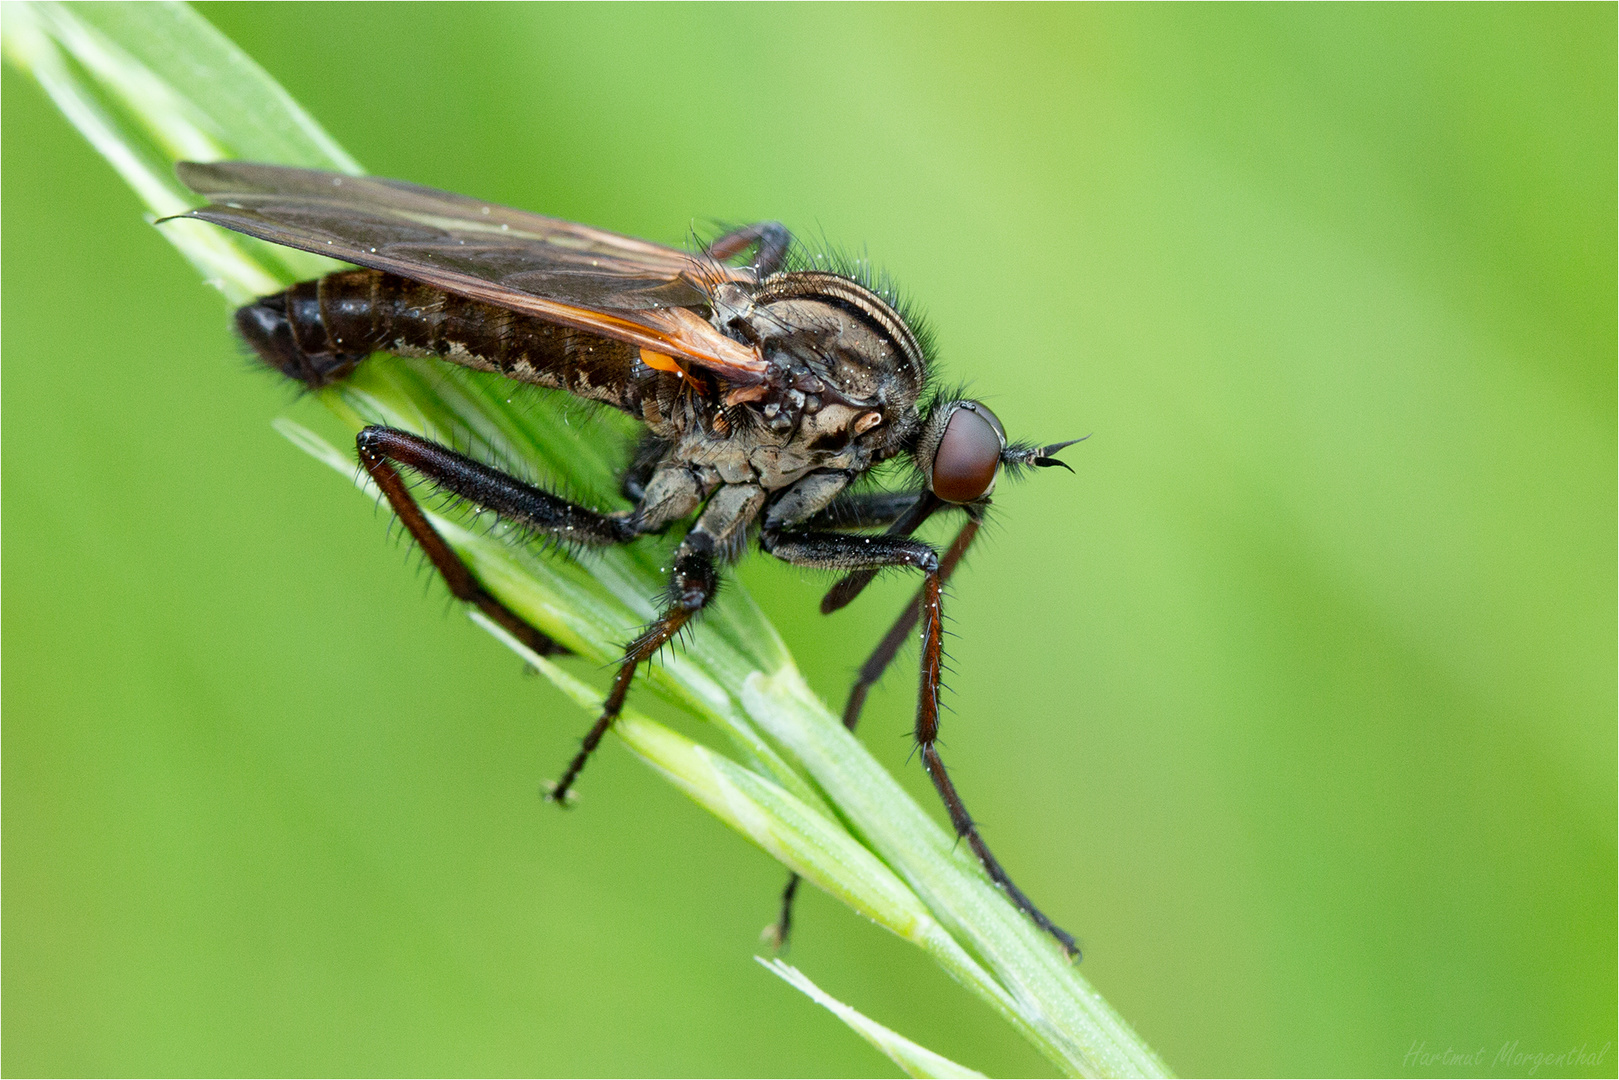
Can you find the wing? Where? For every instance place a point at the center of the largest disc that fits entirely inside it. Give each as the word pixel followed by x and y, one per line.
pixel 593 280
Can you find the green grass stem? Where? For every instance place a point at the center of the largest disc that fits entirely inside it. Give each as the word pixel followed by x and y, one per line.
pixel 150 84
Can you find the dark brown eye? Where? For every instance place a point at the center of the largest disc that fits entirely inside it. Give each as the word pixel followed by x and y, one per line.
pixel 968 455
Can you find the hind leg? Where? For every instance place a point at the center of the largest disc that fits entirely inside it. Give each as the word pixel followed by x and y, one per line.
pixel 383 450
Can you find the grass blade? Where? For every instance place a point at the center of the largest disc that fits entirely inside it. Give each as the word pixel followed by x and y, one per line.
pixel 150 83
pixel 915 1060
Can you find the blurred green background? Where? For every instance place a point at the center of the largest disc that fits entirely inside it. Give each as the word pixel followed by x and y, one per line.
pixel 1297 703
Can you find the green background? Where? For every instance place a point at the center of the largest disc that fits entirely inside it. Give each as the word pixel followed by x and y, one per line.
pixel 1297 703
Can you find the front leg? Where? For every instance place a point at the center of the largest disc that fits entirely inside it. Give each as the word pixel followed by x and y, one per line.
pixel 852 512
pixel 894 640
pixel 903 511
pixel 851 585
pixel 832 551
pixel 863 510
pixel 770 239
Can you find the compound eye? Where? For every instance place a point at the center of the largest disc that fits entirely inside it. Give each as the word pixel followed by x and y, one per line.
pixel 969 454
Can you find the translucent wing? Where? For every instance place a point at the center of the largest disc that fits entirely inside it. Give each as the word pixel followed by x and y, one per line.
pixel 594 280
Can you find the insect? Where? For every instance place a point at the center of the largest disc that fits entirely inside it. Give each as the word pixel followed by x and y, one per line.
pixel 766 392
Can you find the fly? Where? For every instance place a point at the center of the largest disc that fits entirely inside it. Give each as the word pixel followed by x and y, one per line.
pixel 766 391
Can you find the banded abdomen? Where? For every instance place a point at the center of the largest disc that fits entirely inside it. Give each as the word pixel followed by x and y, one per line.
pixel 317 331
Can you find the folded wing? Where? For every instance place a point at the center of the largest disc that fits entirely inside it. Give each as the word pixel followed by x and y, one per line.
pixel 591 279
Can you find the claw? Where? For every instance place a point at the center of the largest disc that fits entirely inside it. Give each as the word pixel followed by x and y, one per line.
pixel 548 791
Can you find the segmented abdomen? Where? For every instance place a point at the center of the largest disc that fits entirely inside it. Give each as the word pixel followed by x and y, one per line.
pixel 317 331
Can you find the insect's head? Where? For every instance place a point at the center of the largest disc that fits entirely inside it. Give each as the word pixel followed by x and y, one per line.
pixel 963 448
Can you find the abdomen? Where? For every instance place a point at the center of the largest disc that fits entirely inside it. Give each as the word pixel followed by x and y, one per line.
pixel 318 331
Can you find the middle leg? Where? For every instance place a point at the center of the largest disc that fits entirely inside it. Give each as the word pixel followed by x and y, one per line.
pixel 692 585
pixel 383 451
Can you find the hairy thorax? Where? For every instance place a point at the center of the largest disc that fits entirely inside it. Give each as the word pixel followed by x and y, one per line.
pixel 837 393
pixel 752 452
